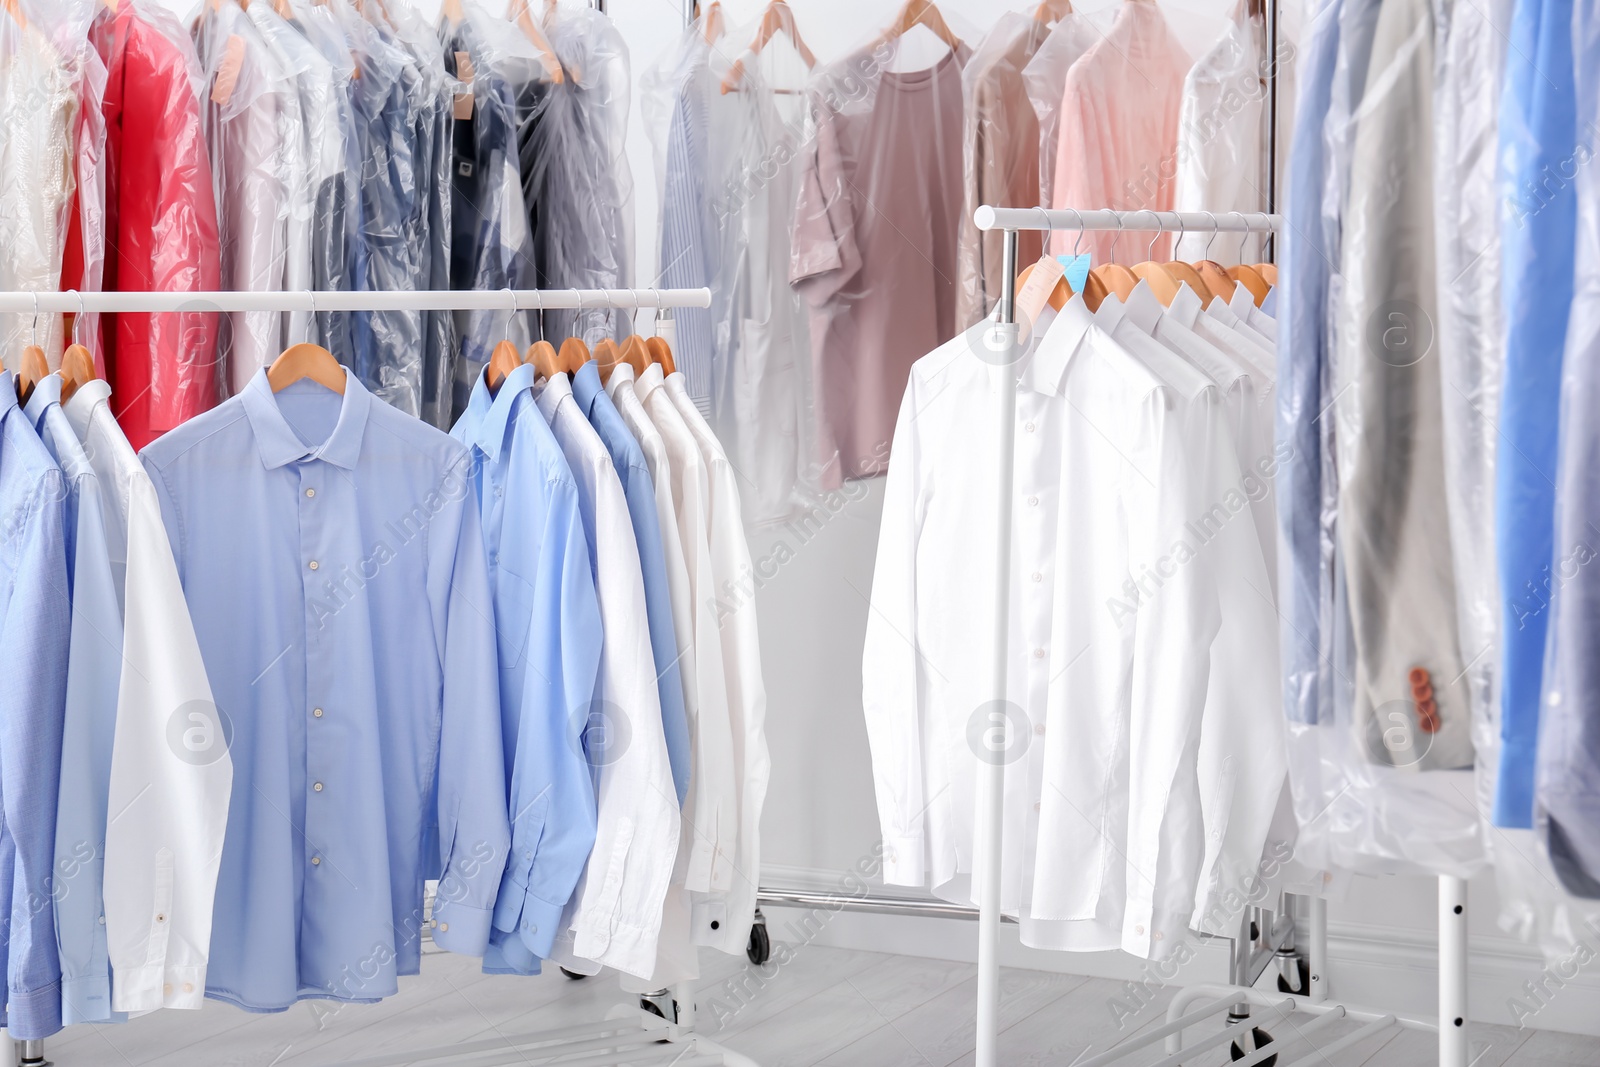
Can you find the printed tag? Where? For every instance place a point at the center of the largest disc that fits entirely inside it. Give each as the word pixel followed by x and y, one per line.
pixel 463 106
pixel 464 68
pixel 228 71
pixel 1035 292
pixel 1077 270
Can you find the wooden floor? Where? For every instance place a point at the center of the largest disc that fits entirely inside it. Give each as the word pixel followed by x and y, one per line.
pixel 824 1006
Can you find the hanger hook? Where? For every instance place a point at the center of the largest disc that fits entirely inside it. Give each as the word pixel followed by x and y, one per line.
pixel 1244 233
pixel 1150 252
pixel 35 327
pixel 655 325
pixel 312 325
pixel 77 323
pixel 1120 227
pixel 1215 226
pixel 1079 216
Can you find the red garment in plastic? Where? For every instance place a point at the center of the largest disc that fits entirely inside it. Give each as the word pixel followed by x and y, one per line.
pixel 161 226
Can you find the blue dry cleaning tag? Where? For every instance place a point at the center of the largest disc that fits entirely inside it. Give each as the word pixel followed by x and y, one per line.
pixel 1077 270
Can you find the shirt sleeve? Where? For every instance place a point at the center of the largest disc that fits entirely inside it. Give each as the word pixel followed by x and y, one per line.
pixel 170 784
pixel 37 629
pixel 552 795
pixel 889 664
pixel 474 834
pixel 823 256
pixel 94 671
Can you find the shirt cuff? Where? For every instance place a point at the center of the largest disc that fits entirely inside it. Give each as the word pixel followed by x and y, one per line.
pixel 537 930
pixel 36 1014
pixel 460 929
pixel 630 949
pixel 148 988
pixel 902 861
pixel 86 999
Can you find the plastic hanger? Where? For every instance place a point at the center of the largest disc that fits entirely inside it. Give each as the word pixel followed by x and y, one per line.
pixel 1162 282
pixel 1114 276
pixel 777 17
pixel 922 13
pixel 306 360
pixel 32 366
pixel 77 362
pixel 1219 284
pixel 518 12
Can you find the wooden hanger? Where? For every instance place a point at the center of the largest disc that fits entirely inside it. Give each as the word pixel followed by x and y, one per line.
pixel 1186 273
pixel 14 9
pixel 608 355
pixel 306 361
pixel 452 12
pixel 518 12
pixel 1162 281
pixel 573 354
pixel 635 353
pixel 660 352
pixel 1252 280
pixel 714 25
pixel 922 13
pixel 542 354
pixel 778 16
pixel 502 361
pixel 1094 290
pixel 30 370
pixel 77 369
pixel 1269 273
pixel 1052 11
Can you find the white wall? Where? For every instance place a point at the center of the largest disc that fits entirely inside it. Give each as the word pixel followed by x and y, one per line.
pixel 820 818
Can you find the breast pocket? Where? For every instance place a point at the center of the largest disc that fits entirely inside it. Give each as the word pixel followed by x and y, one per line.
pixel 513 605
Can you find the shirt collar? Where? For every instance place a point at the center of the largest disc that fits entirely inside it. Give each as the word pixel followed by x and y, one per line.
pixel 80 408
pixel 1059 342
pixel 650 380
pixel 280 445
pixel 1185 307
pixel 621 378
pixel 8 393
pixel 586 386
pixel 46 391
pixel 550 393
pixel 488 413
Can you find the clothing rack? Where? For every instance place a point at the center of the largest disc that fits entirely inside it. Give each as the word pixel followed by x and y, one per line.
pixel 663 1035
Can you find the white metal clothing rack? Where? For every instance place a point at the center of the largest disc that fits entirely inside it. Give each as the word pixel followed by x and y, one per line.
pixel 1451 1025
pixel 629 1034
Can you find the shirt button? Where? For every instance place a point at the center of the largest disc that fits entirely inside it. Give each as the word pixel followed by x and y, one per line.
pixel 1038 577
pixel 166 989
pixel 316 861
pixel 1138 929
pixel 498 491
pixel 1555 698
pixel 311 492
pixel 312 564
pixel 160 918
pixel 102 920
pixel 1036 805
pixel 1033 501
pixel 317 787
pixel 1038 728
pixel 1038 653
pixel 188 987
pixel 444 928
pixel 1030 427
pixel 316 713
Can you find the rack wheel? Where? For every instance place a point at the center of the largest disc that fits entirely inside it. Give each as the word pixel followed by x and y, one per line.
pixel 1258 1039
pixel 1302 979
pixel 574 975
pixel 759 950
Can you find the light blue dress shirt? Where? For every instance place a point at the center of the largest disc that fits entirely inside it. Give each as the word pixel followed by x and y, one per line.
pixel 1302 356
pixel 1568 783
pixel 35 629
pixel 628 458
pixel 547 623
pixel 94 673
pixel 331 555
pixel 1538 133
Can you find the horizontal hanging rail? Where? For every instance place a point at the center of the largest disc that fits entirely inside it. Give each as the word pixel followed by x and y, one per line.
pixel 1039 218
pixel 73 302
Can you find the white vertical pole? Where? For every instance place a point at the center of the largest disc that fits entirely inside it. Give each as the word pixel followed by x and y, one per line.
pixel 990 822
pixel 1452 971
pixel 1318 952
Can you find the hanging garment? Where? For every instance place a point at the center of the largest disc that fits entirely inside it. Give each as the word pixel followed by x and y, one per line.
pixel 83 256
pixel 614 917
pixel 1471 327
pixel 38 110
pixel 1046 79
pixel 346 747
pixel 874 243
pixel 725 925
pixel 1538 136
pixel 94 662
pixel 1119 132
pixel 761 357
pixel 1411 708
pixel 490 245
pixel 632 472
pixel 35 631
pixel 1568 754
pixel 547 625
pixel 159 670
pixel 160 219
pixel 1001 157
pixel 1221 162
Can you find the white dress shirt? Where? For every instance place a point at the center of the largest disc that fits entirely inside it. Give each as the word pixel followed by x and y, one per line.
pixel 727 926
pixel 168 802
pixel 1243 305
pixel 614 917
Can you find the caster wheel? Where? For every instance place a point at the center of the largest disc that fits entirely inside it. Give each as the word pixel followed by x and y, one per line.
pixel 759 950
pixel 1259 1038
pixel 1301 983
pixel 574 975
